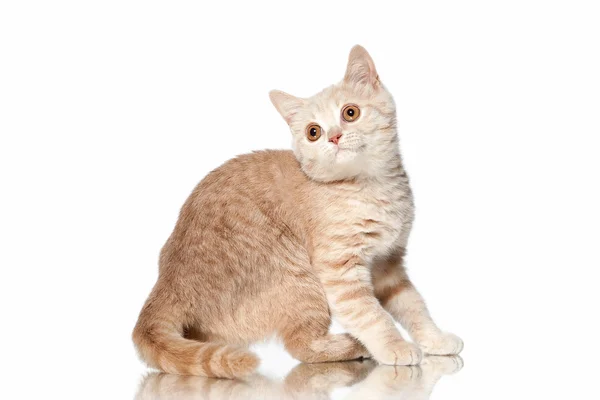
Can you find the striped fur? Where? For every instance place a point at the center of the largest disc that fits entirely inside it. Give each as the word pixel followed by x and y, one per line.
pixel 276 242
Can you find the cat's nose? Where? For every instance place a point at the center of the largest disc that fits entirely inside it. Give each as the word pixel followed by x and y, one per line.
pixel 335 136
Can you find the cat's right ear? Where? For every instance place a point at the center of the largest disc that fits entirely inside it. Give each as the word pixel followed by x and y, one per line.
pixel 361 69
pixel 286 104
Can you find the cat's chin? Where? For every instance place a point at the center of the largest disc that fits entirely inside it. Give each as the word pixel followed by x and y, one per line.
pixel 346 165
pixel 350 161
pixel 343 155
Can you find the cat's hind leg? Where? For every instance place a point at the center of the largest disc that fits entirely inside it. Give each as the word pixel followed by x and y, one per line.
pixel 314 347
pixel 305 329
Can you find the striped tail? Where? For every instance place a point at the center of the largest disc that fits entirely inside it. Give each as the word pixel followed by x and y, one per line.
pixel 161 344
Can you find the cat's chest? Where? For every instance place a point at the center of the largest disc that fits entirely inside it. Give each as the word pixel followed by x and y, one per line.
pixel 373 220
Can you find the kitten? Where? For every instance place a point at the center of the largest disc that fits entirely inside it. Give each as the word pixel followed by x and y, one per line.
pixel 275 242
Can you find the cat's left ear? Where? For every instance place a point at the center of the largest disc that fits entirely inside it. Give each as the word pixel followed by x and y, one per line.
pixel 286 104
pixel 361 69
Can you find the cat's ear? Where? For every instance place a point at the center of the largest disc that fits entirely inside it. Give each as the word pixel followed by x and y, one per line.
pixel 361 68
pixel 286 104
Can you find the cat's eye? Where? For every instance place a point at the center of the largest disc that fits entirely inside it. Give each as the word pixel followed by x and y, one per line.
pixel 350 112
pixel 313 132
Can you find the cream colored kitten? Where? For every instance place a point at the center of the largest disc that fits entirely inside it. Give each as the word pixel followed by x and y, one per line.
pixel 276 242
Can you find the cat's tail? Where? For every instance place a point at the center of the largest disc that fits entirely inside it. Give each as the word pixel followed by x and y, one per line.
pixel 160 343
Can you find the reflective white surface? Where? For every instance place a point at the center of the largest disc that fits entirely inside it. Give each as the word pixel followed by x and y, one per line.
pixel 111 111
pixel 348 380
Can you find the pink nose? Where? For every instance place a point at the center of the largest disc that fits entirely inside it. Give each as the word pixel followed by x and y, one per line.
pixel 335 138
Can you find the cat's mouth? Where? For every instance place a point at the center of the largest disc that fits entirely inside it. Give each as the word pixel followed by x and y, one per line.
pixel 350 148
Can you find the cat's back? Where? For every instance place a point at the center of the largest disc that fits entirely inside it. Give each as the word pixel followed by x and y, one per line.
pixel 245 203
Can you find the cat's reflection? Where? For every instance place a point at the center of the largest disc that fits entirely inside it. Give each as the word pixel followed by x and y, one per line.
pixel 309 381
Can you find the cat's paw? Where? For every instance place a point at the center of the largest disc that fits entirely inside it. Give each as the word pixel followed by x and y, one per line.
pixel 442 344
pixel 400 353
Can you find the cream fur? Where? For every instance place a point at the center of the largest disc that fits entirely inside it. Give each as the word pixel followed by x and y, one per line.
pixel 274 243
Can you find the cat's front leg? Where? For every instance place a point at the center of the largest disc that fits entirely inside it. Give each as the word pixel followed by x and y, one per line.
pixel 347 284
pixel 401 299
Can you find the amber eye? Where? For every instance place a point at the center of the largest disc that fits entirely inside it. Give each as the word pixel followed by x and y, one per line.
pixel 313 132
pixel 350 112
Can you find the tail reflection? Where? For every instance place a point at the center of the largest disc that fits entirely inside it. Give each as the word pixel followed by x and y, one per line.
pixel 309 381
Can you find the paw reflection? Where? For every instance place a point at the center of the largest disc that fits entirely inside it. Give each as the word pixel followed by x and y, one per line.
pixel 310 381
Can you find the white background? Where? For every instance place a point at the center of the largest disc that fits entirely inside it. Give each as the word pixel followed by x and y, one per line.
pixel 112 111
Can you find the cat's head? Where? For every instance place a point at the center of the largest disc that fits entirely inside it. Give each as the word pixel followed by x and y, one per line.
pixel 347 130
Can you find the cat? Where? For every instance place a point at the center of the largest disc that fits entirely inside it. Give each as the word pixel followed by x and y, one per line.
pixel 276 242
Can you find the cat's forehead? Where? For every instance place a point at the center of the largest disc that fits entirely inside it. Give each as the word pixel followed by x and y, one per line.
pixel 335 96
